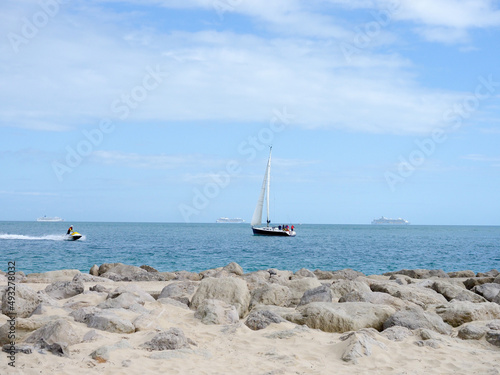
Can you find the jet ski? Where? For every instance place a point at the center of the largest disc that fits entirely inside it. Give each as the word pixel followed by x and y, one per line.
pixel 73 236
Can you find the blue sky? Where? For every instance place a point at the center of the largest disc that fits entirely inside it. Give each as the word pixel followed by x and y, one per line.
pixel 164 110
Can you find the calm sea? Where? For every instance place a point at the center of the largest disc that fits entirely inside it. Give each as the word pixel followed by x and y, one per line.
pixel 39 247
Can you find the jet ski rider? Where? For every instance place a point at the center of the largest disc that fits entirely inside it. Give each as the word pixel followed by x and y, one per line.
pixel 70 229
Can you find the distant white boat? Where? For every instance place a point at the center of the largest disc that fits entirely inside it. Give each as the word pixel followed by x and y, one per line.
pixel 228 220
pixel 385 221
pixel 257 215
pixel 45 218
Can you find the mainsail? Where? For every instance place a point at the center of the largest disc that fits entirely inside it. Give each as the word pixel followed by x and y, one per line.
pixel 257 215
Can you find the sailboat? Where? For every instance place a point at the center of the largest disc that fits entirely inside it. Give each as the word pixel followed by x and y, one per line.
pixel 257 215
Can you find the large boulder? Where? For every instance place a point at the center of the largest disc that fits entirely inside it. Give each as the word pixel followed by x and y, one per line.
pixel 234 268
pixel 107 321
pixel 271 294
pixel 124 301
pixel 52 276
pixel 462 274
pixel 342 287
pixel 419 295
pixel 64 289
pixel 453 292
pixel 377 298
pixel 22 303
pixel 460 312
pixel 472 331
pixel 212 311
pixel 343 317
pixel 322 293
pixel 299 286
pixel 125 272
pixel 230 289
pixel 417 318
pixel 346 274
pixel 304 272
pixel 492 273
pixel 181 291
pixel 474 281
pixel 419 273
pixel 360 344
pixel 59 332
pixel 488 291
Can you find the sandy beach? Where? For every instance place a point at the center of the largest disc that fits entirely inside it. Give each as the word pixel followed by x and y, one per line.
pixel 129 320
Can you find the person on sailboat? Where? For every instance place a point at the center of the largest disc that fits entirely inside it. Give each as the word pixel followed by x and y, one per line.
pixel 292 228
pixel 70 229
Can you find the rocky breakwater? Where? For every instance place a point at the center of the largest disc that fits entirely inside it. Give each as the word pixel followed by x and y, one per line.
pixel 116 310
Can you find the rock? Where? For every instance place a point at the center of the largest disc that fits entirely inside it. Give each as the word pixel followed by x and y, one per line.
pixel 91 336
pixel 146 322
pixel 347 274
pixel 168 275
pixel 419 273
pixel 377 298
pixel 471 332
pixel 420 296
pixel 102 354
pixel 184 275
pixel 488 290
pixel 230 290
pixel 271 294
pixel 360 344
pixel 94 270
pixel 471 283
pixel 256 279
pixel 497 280
pixel 55 348
pixel 25 349
pixel 64 289
pixel 397 333
pixel 461 274
pixel 453 292
pixel 417 318
pixel 493 273
pixel 125 301
pixel 52 276
pixel 432 343
pixel 323 275
pixel 299 286
pixel 124 272
pixel 212 311
pixel 172 339
pixel 234 268
pixel 26 301
pixel 59 332
pixel 322 293
pixel 87 278
pixel 23 328
pixel 135 290
pixel 172 302
pixel 148 268
pixel 494 325
pixel 343 317
pixel 342 287
pixel 304 272
pixel 181 291
pixel 99 289
pixel 493 337
pixel 258 320
pixel 106 321
pixel 458 312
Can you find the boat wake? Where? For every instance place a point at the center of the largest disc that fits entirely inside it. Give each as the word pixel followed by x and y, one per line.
pixel 49 237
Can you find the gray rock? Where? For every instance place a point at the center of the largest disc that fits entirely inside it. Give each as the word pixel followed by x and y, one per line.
pixel 488 290
pixel 271 294
pixel 185 275
pixel 172 339
pixel 419 295
pixel 55 348
pixel 181 291
pixel 493 337
pixel 458 312
pixel 494 325
pixel 377 298
pixel 103 353
pixel 472 282
pixel 471 332
pixel 417 318
pixel 234 268
pixel 26 301
pixel 124 301
pixel 340 288
pixel 258 320
pixel 87 278
pixel 124 272
pixel 64 289
pixel 59 332
pixel 462 274
pixel 492 273
pixel 346 274
pixel 106 321
pixel 173 302
pixel 453 292
pixel 299 286
pixel 360 344
pixel 23 328
pixel 323 275
pixel 133 289
pixel 343 317
pixel 432 343
pixel 322 293
pixel 230 290
pixel 212 311
pixel 94 270
pixel 11 349
pixel 419 273
pixel 148 268
pixel 99 289
pixel 91 336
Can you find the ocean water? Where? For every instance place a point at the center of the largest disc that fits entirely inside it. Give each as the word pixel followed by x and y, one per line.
pixel 40 247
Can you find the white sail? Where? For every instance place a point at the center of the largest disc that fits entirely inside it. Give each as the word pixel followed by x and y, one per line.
pixel 257 215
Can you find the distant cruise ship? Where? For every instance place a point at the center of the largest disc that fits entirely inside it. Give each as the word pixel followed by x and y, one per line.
pixel 384 221
pixel 45 218
pixel 228 220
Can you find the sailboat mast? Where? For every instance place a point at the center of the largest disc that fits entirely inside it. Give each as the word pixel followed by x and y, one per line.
pixel 268 183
